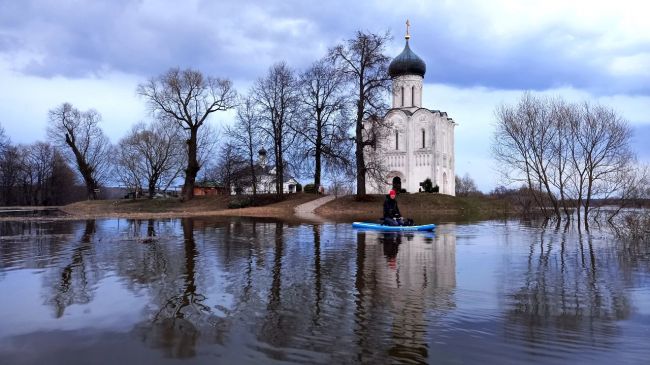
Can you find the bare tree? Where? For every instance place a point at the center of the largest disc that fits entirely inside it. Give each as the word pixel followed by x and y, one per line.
pixel 151 155
pixel 9 173
pixel 325 133
pixel 127 167
pixel 245 135
pixel 87 146
pixel 276 97
pixel 189 98
pixel 363 61
pixel 603 138
pixel 565 153
pixel 230 168
pixel 38 168
pixel 465 185
pixel 35 174
pixel 4 140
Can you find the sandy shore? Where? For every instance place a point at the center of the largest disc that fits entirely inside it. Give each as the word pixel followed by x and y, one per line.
pixel 169 208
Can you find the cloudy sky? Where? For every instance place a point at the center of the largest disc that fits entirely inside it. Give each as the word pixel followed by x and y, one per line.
pixel 479 54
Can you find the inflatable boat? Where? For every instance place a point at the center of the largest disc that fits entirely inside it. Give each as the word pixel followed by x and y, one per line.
pixel 381 227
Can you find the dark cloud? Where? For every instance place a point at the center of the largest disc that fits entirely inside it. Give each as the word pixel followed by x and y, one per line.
pixel 241 39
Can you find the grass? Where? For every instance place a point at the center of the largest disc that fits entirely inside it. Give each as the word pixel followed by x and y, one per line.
pixel 268 206
pixel 419 205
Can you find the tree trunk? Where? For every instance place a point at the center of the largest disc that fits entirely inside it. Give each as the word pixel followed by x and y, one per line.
pixel 253 177
pixel 152 188
pixel 319 142
pixel 358 153
pixel 192 166
pixel 84 169
pixel 279 166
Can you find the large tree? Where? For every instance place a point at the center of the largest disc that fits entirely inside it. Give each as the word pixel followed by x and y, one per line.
pixel 188 97
pixel 245 135
pixel 363 61
pixel 324 100
pixel 87 147
pixel 276 98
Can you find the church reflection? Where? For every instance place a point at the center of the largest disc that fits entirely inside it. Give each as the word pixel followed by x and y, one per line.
pixel 410 276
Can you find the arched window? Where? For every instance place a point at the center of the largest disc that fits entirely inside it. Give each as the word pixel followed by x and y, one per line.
pixel 397 140
pixel 402 95
pixel 423 139
pixel 412 95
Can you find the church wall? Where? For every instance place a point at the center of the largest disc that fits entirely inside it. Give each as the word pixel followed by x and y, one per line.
pixel 411 85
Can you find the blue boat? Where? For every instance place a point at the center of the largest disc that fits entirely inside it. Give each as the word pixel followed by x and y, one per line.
pixel 381 227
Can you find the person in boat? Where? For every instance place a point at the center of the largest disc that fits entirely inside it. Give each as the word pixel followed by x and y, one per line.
pixel 392 215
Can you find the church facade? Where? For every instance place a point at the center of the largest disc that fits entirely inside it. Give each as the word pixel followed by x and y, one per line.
pixel 419 142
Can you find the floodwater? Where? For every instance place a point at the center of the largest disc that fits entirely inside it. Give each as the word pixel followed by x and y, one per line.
pixel 265 292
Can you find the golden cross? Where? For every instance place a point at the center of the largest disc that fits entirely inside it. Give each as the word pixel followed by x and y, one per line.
pixel 408 24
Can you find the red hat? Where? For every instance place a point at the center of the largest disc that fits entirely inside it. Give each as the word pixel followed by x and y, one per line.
pixel 392 192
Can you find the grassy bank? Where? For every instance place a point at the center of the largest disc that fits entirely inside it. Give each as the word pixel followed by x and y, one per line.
pixel 171 208
pixel 421 206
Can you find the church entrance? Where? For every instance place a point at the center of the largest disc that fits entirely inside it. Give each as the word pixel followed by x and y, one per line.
pixel 397 184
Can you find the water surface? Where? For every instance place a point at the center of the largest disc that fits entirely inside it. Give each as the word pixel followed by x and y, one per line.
pixel 262 291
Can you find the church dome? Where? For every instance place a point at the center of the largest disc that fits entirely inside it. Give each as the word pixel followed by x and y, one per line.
pixel 407 63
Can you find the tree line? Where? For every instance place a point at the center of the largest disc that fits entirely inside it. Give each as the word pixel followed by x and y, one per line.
pixel 303 118
pixel 567 155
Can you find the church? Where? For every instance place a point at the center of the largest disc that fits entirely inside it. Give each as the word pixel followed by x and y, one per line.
pixel 419 143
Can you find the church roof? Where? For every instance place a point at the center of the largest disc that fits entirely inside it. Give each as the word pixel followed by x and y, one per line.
pixel 410 113
pixel 407 63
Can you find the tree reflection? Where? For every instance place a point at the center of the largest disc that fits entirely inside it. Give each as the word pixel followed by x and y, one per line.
pixel 175 327
pixel 74 283
pixel 572 292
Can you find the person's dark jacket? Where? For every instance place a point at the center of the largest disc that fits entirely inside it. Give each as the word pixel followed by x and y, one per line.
pixel 390 208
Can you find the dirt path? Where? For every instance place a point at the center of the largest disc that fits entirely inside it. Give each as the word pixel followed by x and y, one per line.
pixel 306 210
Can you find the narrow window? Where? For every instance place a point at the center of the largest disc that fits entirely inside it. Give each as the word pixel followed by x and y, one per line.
pixel 423 140
pixel 397 140
pixel 402 95
pixel 412 95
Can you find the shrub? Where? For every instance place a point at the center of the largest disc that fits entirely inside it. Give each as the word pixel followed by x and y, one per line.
pixel 310 189
pixel 240 203
pixel 436 189
pixel 427 186
pixel 298 188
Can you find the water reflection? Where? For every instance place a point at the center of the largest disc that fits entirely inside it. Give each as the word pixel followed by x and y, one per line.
pixel 252 291
pixel 400 280
pixel 570 292
pixel 74 283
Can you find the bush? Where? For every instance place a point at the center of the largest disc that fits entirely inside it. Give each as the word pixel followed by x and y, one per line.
pixel 240 203
pixel 256 201
pixel 403 191
pixel 436 189
pixel 311 189
pixel 298 188
pixel 427 186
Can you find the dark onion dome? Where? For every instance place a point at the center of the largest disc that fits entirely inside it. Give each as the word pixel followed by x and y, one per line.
pixel 262 152
pixel 407 63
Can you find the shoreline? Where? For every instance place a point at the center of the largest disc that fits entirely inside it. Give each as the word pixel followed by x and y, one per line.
pixel 420 206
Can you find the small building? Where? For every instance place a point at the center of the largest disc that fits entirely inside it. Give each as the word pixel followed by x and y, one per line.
pixel 209 189
pixel 265 177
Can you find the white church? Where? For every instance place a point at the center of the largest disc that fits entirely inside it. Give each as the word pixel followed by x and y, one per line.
pixel 420 141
